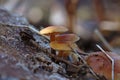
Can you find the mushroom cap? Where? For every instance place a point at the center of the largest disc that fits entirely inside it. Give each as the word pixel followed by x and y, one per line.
pixel 53 29
pixel 67 37
pixel 102 65
pixel 60 45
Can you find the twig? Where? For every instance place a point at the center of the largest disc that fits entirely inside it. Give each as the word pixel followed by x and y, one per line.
pixel 112 60
pixel 103 40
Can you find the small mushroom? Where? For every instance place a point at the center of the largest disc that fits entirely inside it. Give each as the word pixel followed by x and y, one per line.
pixel 52 31
pixel 102 65
pixel 67 37
pixel 64 48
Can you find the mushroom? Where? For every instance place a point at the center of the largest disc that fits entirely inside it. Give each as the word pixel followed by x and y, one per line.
pixel 102 65
pixel 67 37
pixel 52 31
pixel 64 48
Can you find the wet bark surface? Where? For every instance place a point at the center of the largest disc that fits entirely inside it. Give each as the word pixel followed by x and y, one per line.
pixel 20 56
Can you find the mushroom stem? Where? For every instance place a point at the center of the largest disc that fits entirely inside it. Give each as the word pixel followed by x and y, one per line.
pixel 106 44
pixel 63 53
pixel 66 55
pixel 52 38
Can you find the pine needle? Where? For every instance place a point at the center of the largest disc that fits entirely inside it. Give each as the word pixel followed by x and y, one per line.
pixel 112 60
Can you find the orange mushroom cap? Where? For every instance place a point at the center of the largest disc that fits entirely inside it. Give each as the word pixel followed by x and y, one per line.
pixel 53 29
pixel 60 45
pixel 67 37
pixel 102 65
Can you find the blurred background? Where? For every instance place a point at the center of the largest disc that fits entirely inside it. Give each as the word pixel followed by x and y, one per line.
pixel 95 21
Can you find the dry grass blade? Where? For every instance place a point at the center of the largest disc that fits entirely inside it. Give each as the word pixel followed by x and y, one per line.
pixel 112 60
pixel 97 32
